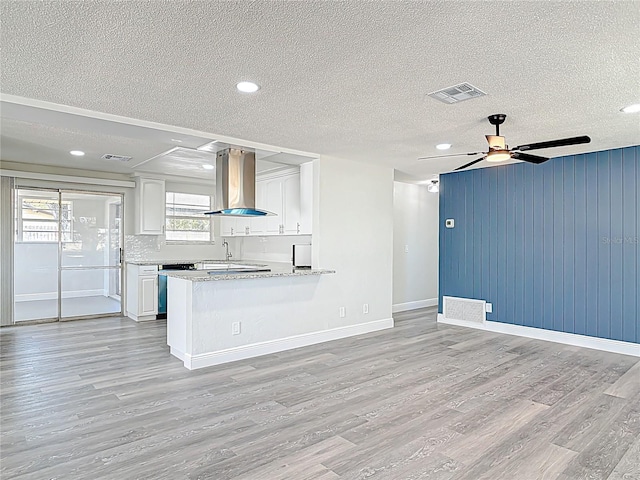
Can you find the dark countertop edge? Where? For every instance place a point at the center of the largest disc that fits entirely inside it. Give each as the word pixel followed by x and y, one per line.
pixel 202 276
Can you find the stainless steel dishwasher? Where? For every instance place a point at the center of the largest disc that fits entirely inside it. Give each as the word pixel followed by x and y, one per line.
pixel 162 284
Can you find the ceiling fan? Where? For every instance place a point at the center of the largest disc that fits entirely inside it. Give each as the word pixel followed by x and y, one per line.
pixel 499 151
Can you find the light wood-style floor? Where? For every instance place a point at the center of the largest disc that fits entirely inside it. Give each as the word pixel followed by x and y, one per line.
pixel 103 399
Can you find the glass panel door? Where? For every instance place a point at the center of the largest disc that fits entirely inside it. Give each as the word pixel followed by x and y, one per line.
pixel 37 234
pixel 90 255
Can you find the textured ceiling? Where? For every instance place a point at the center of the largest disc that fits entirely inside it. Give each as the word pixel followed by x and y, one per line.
pixel 347 79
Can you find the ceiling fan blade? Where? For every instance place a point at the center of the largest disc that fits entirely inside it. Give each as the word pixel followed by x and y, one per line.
pixel 470 163
pixel 451 155
pixel 555 143
pixel 525 157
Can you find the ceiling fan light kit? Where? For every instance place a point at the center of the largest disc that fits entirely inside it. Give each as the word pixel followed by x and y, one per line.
pixel 499 151
pixel 498 156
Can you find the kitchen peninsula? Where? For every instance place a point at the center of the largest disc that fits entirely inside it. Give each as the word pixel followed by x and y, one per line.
pixel 216 317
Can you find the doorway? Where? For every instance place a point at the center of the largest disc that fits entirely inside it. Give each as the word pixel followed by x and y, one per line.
pixel 67 254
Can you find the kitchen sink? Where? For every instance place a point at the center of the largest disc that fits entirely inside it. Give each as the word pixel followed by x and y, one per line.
pixel 243 269
pixel 225 266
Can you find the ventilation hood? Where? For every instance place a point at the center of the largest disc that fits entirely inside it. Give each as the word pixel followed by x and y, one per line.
pixel 236 184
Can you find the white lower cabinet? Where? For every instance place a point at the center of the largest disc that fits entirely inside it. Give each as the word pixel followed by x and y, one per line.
pixel 142 292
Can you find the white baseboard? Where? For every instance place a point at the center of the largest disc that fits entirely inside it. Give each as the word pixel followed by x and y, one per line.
pixel 193 362
pixel 403 307
pixel 31 297
pixel 604 344
pixel 141 318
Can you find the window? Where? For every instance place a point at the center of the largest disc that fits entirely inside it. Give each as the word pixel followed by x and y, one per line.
pixel 37 220
pixel 185 219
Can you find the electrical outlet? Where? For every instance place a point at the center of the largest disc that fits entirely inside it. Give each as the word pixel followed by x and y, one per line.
pixel 343 312
pixel 235 328
pixel 365 308
pixel 488 307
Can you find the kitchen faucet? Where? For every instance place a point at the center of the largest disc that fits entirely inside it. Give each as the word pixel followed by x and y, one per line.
pixel 226 246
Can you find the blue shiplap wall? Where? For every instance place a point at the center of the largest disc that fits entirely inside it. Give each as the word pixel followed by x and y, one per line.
pixel 553 246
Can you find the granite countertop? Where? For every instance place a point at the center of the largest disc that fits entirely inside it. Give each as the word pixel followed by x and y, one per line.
pixel 277 270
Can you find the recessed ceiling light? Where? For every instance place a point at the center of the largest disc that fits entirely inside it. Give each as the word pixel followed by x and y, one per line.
pixel 247 87
pixel 77 153
pixel 176 140
pixel 206 166
pixel 635 108
pixel 443 146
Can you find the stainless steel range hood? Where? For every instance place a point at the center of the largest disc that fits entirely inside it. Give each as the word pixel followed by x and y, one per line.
pixel 236 184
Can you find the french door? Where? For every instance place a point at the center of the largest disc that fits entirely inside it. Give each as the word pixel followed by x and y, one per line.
pixel 67 254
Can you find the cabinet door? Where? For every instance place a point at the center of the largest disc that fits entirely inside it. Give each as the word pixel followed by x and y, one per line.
pixel 228 226
pixel 291 204
pixel 147 295
pixel 273 197
pixel 151 206
pixel 306 197
pixel 258 225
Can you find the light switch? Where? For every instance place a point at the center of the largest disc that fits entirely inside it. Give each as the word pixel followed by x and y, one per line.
pixel 449 223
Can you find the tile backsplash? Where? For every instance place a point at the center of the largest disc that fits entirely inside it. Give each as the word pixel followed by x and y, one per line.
pixel 268 248
pixel 154 247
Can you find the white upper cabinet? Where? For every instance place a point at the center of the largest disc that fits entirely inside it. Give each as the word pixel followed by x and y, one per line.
pixel 150 206
pixel 258 225
pixel 273 204
pixel 288 195
pixel 291 205
pixel 306 198
pixel 228 226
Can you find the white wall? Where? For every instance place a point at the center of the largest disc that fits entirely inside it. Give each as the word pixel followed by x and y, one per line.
pixel 415 273
pixel 353 234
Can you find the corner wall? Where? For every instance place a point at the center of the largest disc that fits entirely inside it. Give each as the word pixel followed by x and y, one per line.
pixel 415 247
pixel 553 246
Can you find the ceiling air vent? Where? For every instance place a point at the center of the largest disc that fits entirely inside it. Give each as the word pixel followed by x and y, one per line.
pixel 116 158
pixel 457 93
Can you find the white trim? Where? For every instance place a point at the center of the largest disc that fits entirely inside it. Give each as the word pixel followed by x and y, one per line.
pixel 193 362
pixel 31 297
pixel 604 344
pixel 141 318
pixel 403 307
pixel 68 178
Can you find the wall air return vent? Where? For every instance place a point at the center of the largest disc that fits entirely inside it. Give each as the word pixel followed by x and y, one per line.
pixel 466 309
pixel 115 158
pixel 457 93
